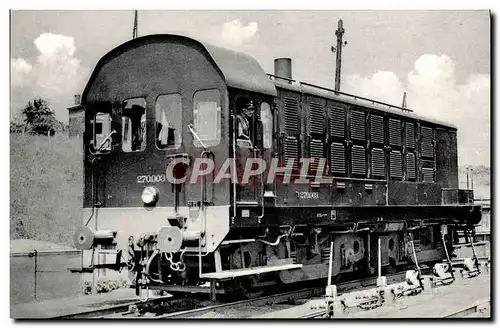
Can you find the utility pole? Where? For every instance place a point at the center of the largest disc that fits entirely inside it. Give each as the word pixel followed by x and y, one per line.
pixel 134 31
pixel 338 50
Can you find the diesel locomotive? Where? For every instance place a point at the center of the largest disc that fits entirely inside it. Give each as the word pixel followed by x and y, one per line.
pixel 171 125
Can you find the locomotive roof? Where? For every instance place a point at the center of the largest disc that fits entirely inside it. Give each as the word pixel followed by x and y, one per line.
pixel 244 72
pixel 239 70
pixel 321 92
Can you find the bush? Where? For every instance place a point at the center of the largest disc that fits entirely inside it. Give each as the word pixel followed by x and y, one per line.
pixel 104 286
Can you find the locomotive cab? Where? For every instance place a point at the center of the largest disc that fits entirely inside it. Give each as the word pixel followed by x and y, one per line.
pixel 156 107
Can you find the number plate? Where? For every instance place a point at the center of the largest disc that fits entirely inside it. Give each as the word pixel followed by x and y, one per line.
pixel 307 194
pixel 155 178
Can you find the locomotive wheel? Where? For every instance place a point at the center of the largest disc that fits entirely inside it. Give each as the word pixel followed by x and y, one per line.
pixel 245 287
pixel 247 256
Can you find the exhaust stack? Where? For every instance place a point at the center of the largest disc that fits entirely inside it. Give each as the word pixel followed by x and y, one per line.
pixel 283 69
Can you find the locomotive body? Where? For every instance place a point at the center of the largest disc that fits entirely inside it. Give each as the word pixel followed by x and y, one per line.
pixel 173 131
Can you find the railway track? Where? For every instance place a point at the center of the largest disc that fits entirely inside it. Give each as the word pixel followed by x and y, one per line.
pixel 481 308
pixel 199 307
pixel 244 308
pixel 477 310
pixel 101 312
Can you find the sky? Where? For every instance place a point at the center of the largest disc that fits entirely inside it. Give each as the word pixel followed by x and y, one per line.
pixel 440 58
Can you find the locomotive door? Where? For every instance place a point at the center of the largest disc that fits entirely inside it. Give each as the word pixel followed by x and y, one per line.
pixel 248 152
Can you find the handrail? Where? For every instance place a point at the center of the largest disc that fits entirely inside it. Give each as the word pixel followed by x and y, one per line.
pixel 197 137
pixel 281 77
pixel 341 93
pixel 259 218
pixel 356 97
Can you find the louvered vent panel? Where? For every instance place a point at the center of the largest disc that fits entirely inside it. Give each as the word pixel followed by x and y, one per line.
pixel 291 111
pixel 291 151
pixel 316 152
pixel 358 125
pixel 378 162
pixel 427 142
pixel 337 122
pixel 396 164
pixel 337 158
pixel 411 166
pixel 395 132
pixel 410 135
pixel 428 174
pixel 358 160
pixel 428 164
pixel 377 129
pixel 316 118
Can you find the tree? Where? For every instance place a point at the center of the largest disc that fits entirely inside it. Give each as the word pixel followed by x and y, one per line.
pixel 39 118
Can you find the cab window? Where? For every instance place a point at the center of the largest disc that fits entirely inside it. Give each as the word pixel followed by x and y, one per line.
pixel 207 117
pixel 266 118
pixel 168 112
pixel 102 137
pixel 134 125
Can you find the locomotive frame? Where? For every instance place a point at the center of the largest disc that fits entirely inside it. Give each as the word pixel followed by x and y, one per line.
pixel 388 173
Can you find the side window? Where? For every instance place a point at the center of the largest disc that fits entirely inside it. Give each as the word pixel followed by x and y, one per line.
pixel 207 117
pixel 266 118
pixel 168 110
pixel 134 125
pixel 101 126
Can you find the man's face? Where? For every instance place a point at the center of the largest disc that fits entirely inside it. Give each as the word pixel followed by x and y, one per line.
pixel 248 111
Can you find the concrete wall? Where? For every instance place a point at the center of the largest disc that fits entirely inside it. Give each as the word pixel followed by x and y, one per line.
pixel 43 275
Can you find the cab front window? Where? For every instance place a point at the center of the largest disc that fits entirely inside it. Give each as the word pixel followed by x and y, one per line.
pixel 102 133
pixel 168 110
pixel 134 125
pixel 207 117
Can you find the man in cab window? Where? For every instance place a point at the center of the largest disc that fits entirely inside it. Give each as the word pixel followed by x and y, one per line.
pixel 245 120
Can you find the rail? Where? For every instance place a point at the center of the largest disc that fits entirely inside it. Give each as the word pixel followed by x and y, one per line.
pixel 356 97
pixel 283 297
pixel 273 76
pixel 192 307
pixel 174 305
pixel 280 77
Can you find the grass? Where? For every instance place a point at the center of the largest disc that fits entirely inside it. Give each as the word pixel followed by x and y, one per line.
pixel 46 177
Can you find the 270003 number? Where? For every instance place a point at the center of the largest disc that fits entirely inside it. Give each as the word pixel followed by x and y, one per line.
pixel 307 194
pixel 151 178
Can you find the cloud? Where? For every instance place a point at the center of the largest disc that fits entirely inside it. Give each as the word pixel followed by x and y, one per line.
pixel 234 33
pixel 20 69
pixel 433 91
pixel 383 86
pixel 50 45
pixel 55 76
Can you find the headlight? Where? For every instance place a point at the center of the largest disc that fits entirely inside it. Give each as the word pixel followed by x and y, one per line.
pixel 149 195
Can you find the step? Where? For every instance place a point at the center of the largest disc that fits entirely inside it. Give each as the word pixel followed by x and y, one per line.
pixel 229 274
